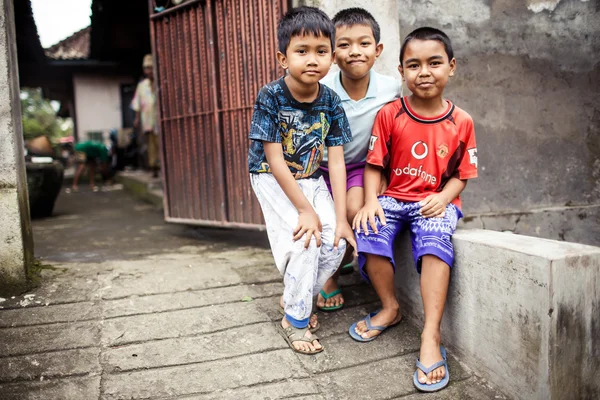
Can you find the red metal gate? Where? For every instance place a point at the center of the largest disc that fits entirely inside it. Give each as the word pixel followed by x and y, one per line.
pixel 211 58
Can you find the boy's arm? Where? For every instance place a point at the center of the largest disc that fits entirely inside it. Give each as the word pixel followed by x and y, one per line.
pixel 376 161
pixel 372 182
pixel 372 208
pixel 435 205
pixel 308 221
pixel 337 175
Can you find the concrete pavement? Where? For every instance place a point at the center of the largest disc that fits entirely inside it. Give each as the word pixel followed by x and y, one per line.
pixel 134 308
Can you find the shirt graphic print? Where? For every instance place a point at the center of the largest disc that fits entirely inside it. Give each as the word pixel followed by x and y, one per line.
pixel 303 129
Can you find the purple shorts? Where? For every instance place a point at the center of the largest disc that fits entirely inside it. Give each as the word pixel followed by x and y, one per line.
pixel 354 175
pixel 430 236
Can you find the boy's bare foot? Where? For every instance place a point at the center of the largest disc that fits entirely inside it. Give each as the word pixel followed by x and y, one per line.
pixel 314 321
pixel 385 317
pixel 300 345
pixel 330 286
pixel 429 355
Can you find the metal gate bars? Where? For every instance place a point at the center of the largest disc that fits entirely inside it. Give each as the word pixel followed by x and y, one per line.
pixel 211 59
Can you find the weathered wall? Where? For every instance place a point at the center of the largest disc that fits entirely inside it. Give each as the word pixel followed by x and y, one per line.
pixel 385 12
pixel 529 74
pixel 98 103
pixel 16 244
pixel 522 312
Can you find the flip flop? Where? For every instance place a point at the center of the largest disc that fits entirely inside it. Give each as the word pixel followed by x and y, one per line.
pixel 312 330
pixel 347 269
pixel 291 334
pixel 434 387
pixel 328 296
pixel 370 327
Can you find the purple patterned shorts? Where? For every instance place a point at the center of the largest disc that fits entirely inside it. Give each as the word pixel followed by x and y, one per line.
pixel 430 236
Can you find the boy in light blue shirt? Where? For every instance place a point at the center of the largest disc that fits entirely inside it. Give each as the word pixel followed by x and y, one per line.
pixel 363 93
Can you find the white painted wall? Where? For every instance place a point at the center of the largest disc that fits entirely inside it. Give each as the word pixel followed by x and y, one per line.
pixel 98 103
pixel 385 13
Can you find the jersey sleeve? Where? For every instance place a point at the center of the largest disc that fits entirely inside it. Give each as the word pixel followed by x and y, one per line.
pixel 467 168
pixel 265 121
pixel 378 153
pixel 339 131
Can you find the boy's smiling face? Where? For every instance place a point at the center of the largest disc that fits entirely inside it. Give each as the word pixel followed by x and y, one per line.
pixel 426 68
pixel 307 58
pixel 356 50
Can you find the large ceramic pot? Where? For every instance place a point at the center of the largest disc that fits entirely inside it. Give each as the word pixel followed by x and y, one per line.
pixel 44 182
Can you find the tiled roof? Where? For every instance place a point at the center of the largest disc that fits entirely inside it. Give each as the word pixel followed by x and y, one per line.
pixel 75 47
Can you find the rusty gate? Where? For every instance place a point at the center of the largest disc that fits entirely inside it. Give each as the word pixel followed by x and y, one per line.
pixel 211 59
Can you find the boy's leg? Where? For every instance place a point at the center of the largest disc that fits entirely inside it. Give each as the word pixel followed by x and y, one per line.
pixel 381 274
pixel 434 255
pixel 376 254
pixel 354 202
pixel 80 158
pixel 435 277
pixel 92 172
pixel 297 264
pixel 80 168
pixel 329 258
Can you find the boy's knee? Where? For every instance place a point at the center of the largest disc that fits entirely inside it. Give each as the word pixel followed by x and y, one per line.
pixel 300 245
pixel 433 260
pixel 352 210
pixel 354 202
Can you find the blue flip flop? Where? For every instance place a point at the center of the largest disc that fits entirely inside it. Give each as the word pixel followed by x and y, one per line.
pixel 370 327
pixel 423 387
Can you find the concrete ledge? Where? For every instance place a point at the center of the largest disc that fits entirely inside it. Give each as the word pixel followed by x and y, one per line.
pixel 578 224
pixel 142 186
pixel 523 312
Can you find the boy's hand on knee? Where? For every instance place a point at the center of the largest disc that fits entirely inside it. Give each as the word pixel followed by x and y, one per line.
pixel 309 224
pixel 366 215
pixel 434 206
pixel 343 230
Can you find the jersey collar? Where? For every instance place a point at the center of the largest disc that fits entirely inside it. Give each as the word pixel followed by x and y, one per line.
pixel 425 120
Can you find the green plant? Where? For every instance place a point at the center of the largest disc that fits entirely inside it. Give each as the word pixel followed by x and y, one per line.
pixel 39 117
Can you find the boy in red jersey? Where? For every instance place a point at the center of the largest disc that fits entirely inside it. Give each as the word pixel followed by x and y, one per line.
pixel 428 146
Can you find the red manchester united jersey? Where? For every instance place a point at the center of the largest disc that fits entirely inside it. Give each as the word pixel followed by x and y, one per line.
pixel 422 154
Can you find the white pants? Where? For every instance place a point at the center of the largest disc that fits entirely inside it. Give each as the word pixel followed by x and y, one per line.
pixel 304 271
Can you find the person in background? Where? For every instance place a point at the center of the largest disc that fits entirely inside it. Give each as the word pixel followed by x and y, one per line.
pixel 89 154
pixel 144 105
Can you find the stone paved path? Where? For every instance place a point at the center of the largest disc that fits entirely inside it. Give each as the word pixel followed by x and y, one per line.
pixel 138 309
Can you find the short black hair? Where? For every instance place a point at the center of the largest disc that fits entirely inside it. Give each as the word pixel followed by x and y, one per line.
pixel 302 21
pixel 357 16
pixel 427 33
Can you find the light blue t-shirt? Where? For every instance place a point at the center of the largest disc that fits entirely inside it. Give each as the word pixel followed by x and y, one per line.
pixel 361 114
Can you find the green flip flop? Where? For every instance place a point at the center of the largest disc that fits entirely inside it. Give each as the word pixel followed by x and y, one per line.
pixel 328 296
pixel 347 269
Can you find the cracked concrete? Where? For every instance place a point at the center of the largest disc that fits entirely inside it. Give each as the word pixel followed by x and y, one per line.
pixel 164 318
